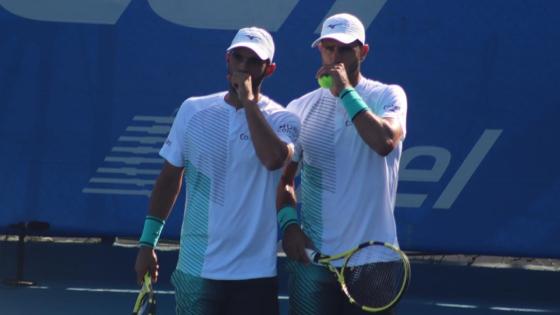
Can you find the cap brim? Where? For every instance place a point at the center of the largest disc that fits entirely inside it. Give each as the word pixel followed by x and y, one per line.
pixel 256 48
pixel 343 38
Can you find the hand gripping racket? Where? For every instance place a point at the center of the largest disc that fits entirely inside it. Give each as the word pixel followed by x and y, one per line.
pixel 374 275
pixel 146 300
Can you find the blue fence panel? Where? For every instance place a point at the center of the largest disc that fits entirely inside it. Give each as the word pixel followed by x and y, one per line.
pixel 87 98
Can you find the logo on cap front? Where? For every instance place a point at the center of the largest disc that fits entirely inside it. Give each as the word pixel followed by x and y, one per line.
pixel 332 26
pixel 251 37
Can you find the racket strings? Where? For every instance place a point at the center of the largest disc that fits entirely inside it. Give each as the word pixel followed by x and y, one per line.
pixel 374 276
pixel 147 305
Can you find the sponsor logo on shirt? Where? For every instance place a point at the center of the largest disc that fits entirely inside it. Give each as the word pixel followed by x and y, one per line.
pixel 243 137
pixel 391 108
pixel 289 130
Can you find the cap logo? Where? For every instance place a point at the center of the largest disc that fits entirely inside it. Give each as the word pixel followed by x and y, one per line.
pixel 251 37
pixel 332 26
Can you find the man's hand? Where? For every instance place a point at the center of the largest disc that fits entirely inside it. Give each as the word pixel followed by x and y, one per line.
pixel 285 193
pixel 295 242
pixel 243 85
pixel 146 260
pixel 339 77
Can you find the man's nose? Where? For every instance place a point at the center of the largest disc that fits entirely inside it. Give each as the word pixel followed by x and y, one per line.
pixel 243 63
pixel 336 56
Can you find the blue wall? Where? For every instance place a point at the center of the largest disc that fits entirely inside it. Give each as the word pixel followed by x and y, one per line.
pixel 87 97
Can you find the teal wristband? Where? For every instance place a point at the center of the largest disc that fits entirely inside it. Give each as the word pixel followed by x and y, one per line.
pixel 151 232
pixel 353 102
pixel 286 216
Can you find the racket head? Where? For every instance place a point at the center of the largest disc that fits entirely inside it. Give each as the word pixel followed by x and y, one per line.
pixel 375 276
pixel 146 301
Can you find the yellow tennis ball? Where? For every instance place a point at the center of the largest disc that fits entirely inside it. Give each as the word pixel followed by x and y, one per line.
pixel 325 81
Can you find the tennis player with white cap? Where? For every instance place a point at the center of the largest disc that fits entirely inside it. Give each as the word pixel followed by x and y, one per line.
pixel 349 150
pixel 229 148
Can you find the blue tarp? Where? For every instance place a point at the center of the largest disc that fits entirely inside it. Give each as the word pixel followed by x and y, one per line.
pixel 88 90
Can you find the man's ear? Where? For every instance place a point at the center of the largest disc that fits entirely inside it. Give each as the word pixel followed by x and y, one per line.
pixel 364 50
pixel 270 68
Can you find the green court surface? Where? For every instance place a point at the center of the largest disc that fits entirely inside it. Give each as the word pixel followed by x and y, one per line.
pixel 98 278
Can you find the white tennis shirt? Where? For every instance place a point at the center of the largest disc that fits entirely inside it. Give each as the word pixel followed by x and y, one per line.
pixel 229 229
pixel 347 191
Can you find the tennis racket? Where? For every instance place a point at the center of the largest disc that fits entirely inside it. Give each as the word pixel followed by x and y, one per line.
pixel 146 300
pixel 374 275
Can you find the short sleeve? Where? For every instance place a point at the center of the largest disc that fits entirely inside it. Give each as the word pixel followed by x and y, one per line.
pixel 393 104
pixel 298 150
pixel 172 149
pixel 286 125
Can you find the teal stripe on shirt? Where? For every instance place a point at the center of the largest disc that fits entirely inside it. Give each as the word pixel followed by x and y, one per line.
pixel 312 205
pixel 194 240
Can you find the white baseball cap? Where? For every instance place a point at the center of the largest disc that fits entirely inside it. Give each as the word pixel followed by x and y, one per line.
pixel 343 27
pixel 256 39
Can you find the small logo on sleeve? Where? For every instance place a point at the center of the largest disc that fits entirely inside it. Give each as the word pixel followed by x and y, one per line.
pixel 289 130
pixel 391 108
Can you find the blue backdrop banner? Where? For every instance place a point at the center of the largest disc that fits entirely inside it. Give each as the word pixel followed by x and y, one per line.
pixel 88 96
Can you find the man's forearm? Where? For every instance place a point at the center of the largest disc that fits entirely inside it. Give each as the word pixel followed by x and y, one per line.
pixel 381 135
pixel 270 149
pixel 162 200
pixel 286 192
pixel 165 192
pixel 286 198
